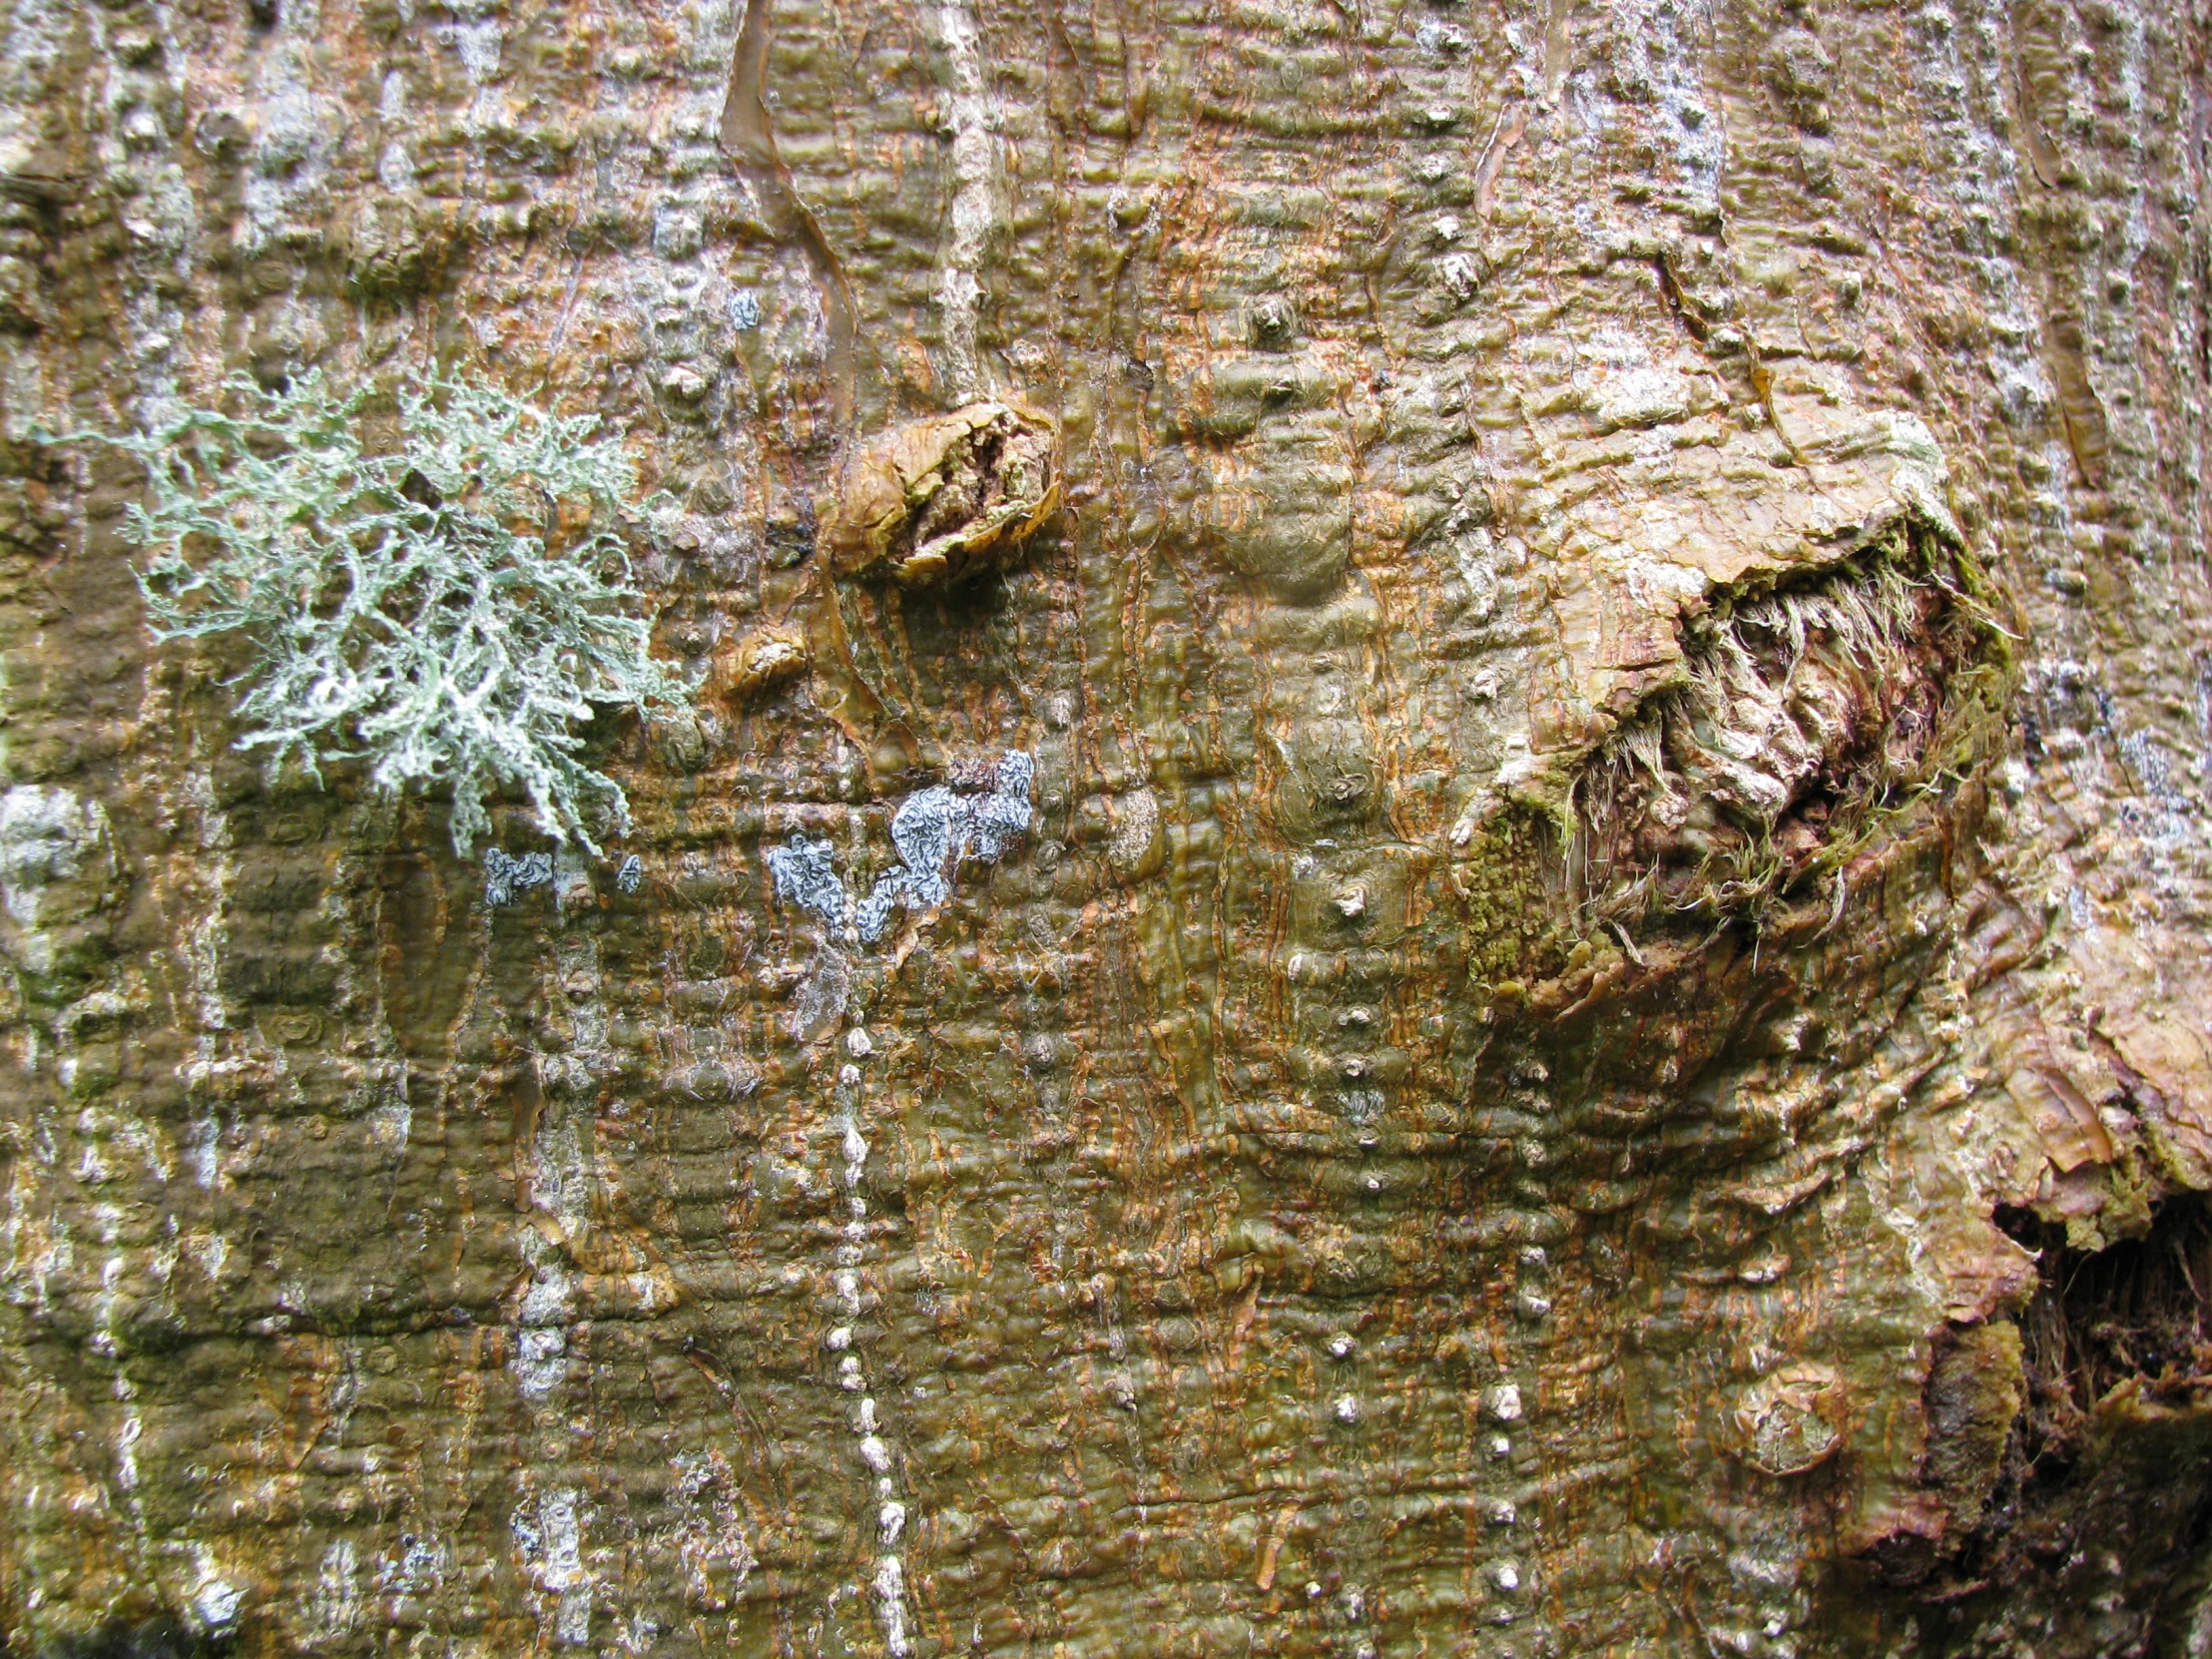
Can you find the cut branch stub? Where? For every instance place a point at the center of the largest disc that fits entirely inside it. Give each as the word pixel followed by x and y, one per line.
pixel 1800 720
pixel 1792 1420
pixel 942 499
pixel 758 662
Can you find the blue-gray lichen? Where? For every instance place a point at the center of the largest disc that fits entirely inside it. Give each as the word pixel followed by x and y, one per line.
pixel 506 874
pixel 935 830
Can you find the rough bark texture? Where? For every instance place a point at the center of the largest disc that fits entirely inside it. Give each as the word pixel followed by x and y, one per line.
pixel 1596 1041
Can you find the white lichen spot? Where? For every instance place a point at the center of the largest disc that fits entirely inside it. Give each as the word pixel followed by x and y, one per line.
pixel 890 1602
pixel 47 837
pixel 550 1537
pixel 1136 820
pixel 337 1596
pixel 390 1126
pixel 541 1362
pixel 541 1345
pixel 1502 1403
pixel 215 1603
pixel 395 167
pixel 125 1446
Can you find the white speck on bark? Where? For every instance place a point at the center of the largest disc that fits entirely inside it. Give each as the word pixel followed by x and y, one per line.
pixel 890 1601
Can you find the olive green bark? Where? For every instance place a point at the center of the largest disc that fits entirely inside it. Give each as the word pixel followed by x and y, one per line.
pixel 1595 1042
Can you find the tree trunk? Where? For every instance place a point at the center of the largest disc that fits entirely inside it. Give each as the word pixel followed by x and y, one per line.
pixel 1541 985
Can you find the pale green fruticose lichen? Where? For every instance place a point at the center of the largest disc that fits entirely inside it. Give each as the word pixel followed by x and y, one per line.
pixel 446 607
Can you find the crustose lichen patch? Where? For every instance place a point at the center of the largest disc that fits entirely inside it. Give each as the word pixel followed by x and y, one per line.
pixel 935 829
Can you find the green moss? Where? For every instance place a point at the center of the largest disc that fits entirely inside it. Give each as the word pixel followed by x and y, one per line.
pixel 1499 883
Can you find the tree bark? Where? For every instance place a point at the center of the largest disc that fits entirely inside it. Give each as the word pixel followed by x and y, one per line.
pixel 1560 1003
